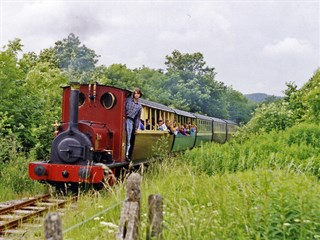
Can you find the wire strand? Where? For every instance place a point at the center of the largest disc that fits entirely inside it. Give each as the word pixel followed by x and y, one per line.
pixel 87 220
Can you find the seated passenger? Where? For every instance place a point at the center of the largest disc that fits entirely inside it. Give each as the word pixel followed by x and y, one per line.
pixel 175 127
pixel 193 129
pixel 162 126
pixel 187 128
pixel 169 128
pixel 183 131
pixel 141 126
pixel 148 125
pixel 174 124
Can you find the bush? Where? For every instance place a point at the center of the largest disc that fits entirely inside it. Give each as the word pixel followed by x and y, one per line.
pixel 296 149
pixel 14 177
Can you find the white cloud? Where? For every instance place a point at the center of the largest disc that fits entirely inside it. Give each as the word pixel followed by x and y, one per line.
pixel 235 37
pixel 288 46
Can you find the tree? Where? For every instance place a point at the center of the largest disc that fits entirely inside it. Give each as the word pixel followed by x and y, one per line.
pixel 14 47
pixel 193 86
pixel 311 98
pixel 121 76
pixel 48 55
pixel 28 61
pixel 76 59
pixel 153 84
pixel 239 108
pixel 30 96
pixel 188 63
pixel 43 84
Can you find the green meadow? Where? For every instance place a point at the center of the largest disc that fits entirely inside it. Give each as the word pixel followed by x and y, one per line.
pixel 266 187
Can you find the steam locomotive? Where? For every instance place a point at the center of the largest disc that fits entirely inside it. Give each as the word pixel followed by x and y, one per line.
pixel 89 144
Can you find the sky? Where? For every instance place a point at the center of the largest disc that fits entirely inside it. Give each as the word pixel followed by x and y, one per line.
pixel 255 46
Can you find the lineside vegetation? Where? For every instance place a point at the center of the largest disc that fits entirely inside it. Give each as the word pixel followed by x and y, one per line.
pixel 262 185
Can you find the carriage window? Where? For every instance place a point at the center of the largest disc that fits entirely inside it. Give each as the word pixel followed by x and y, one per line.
pixel 108 100
pixel 82 98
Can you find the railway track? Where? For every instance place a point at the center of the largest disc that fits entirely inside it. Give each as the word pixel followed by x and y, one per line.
pixel 14 213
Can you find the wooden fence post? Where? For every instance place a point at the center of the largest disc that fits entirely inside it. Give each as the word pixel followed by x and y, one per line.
pixel 53 227
pixel 130 214
pixel 155 217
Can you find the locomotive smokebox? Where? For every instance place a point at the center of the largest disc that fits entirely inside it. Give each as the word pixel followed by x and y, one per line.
pixel 72 146
pixel 74 99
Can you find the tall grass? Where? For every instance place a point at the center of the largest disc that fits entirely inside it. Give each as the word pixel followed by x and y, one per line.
pixel 14 179
pixel 260 204
pixel 264 188
pixel 251 204
pixel 297 149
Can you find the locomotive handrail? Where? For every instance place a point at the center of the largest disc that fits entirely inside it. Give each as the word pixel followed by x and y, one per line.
pixel 93 122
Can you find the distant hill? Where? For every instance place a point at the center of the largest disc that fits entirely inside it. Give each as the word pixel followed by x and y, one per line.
pixel 260 97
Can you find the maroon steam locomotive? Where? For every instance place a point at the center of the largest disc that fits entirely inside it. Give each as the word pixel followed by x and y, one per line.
pixel 89 144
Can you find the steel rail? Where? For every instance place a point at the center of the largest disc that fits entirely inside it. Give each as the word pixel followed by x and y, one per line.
pixel 27 206
pixel 23 203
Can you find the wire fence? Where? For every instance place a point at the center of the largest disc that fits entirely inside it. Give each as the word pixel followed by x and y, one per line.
pixel 92 217
pixel 129 223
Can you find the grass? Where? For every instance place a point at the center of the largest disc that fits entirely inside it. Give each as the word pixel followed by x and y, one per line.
pixel 264 188
pixel 14 180
pixel 253 204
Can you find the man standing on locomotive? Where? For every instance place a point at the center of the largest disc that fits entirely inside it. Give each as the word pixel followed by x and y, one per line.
pixel 133 114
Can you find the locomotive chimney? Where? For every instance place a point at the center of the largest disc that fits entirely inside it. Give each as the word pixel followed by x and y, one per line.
pixel 74 100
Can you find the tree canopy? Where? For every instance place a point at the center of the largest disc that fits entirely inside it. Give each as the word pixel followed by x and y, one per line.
pixel 30 91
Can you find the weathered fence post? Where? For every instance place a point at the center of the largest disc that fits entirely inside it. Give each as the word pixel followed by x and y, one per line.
pixel 130 214
pixel 155 217
pixel 53 227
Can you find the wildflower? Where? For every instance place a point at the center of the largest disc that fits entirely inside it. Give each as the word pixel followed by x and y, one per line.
pixel 215 212
pixel 109 224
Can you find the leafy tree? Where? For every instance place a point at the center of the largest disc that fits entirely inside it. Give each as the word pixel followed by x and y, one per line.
pixel 239 107
pixel 48 55
pixel 311 98
pixel 275 116
pixel 28 61
pixel 297 106
pixel 43 84
pixel 14 47
pixel 187 63
pixel 30 99
pixel 10 74
pixel 154 85
pixel 193 85
pixel 74 58
pixel 100 74
pixel 121 76
pixel 293 97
